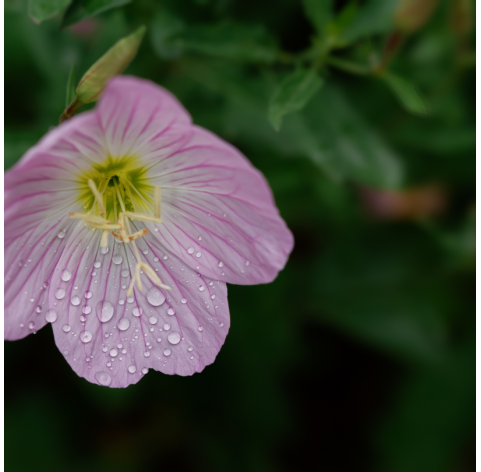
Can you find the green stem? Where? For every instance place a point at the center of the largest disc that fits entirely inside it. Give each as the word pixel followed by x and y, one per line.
pixel 71 110
pixel 347 66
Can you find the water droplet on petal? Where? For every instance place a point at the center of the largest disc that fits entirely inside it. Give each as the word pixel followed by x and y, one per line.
pixel 86 309
pixel 200 329
pixel 103 378
pixel 88 295
pixel 198 254
pixel 105 311
pixel 167 352
pixel 61 235
pixel 60 293
pixel 145 370
pixel 66 328
pixel 190 349
pixel 166 327
pixel 51 316
pixel 97 264
pixel 124 272
pixel 155 297
pixel 212 297
pixel 113 352
pixel 171 311
pixel 190 250
pixel 85 336
pixel 104 250
pixel 221 264
pixel 75 300
pixel 201 288
pixel 132 369
pixel 174 337
pixel 117 259
pixel 153 320
pixel 66 275
pixel 183 301
pixel 124 324
pixel 137 311
pixel 146 354
pixel 38 309
pixel 31 325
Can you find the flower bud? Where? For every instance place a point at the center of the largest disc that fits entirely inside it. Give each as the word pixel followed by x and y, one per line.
pixel 112 63
pixel 411 15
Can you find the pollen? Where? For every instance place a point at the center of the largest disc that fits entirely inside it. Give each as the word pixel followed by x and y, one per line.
pixel 117 193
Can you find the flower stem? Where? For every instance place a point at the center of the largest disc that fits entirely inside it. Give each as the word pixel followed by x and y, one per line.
pixel 71 110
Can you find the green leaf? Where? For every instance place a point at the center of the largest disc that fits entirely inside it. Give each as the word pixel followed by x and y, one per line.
pixel 71 86
pixel 163 30
pixel 292 94
pixel 319 13
pixel 375 17
pixel 41 10
pixel 406 93
pixel 81 9
pixel 227 40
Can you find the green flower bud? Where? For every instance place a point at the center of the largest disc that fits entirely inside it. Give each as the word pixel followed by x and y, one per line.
pixel 112 63
pixel 411 15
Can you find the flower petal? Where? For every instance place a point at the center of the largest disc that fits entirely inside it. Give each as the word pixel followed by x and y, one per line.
pixel 133 111
pixel 218 212
pixel 116 339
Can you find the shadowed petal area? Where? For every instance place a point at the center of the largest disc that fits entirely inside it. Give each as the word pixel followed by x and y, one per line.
pixel 111 339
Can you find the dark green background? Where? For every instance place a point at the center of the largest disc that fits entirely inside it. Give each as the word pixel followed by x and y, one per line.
pixel 360 356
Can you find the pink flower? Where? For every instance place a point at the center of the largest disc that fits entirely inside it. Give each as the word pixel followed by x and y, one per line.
pixel 78 255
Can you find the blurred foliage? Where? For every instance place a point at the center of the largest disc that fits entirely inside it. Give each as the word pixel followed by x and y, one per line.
pixel 364 343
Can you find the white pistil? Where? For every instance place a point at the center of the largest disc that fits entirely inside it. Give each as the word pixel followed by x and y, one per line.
pixel 98 197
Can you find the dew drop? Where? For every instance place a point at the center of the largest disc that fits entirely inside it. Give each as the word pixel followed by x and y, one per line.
pixel 61 235
pixel 137 311
pixel 183 301
pixel 51 316
pixel 200 329
pixel 104 250
pixel 75 300
pixel 190 250
pixel 155 297
pixel 166 327
pixel 117 259
pixel 130 299
pixel 212 297
pixel 124 324
pixel 113 352
pixel 132 369
pixel 105 311
pixel 146 354
pixel 167 352
pixel 124 272
pixel 86 309
pixel 171 311
pixel 97 264
pixel 198 254
pixel 31 325
pixel 85 336
pixel 145 370
pixel 153 320
pixel 66 275
pixel 190 349
pixel 221 264
pixel 201 288
pixel 66 328
pixel 103 378
pixel 88 295
pixel 174 337
pixel 38 309
pixel 60 293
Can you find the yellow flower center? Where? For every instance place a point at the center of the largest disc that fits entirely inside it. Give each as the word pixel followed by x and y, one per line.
pixel 113 193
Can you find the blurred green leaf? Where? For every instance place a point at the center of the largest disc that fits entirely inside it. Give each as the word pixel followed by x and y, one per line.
pixel 319 13
pixel 163 29
pixel 71 86
pixel 374 17
pixel 16 144
pixel 406 93
pixel 41 10
pixel 292 94
pixel 81 9
pixel 226 40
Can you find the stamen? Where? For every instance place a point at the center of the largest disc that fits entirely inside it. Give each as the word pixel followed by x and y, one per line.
pixel 142 217
pixel 98 197
pixel 131 237
pixel 157 201
pixel 153 276
pixel 96 222
pixel 104 241
pixel 123 233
